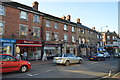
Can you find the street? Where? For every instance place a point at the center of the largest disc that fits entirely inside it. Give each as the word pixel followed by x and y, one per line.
pixel 88 69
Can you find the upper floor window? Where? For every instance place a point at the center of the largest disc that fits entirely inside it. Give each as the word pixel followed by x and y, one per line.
pixel 36 32
pixel 65 37
pixel 56 36
pixel 23 15
pixel 88 32
pixel 83 31
pixel 1 28
pixel 65 27
pixel 2 10
pixel 56 25
pixel 23 30
pixel 36 18
pixel 79 30
pixel 73 29
pixel 73 38
pixel 47 23
pixel 97 36
pixel 108 37
pixel 48 35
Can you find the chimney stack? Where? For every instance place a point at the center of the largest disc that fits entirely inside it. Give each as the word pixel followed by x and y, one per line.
pixel 68 17
pixel 35 5
pixel 93 28
pixel 63 17
pixel 78 20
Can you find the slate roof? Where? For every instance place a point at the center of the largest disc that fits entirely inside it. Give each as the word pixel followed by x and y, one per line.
pixel 19 5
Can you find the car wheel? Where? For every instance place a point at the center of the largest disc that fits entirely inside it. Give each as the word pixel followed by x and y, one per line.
pixel 23 69
pixel 80 61
pixel 67 63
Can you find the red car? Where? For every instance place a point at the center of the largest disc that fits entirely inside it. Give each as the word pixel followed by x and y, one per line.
pixel 9 63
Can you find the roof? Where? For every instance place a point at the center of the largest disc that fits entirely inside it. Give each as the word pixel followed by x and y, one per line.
pixel 19 5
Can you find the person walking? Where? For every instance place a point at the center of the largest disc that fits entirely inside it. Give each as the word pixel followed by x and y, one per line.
pixel 18 56
pixel 25 55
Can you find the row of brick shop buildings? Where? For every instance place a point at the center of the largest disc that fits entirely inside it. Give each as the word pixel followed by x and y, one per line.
pixel 25 28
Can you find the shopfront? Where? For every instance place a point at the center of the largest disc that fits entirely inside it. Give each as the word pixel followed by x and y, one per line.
pixel 52 49
pixel 33 49
pixel 7 46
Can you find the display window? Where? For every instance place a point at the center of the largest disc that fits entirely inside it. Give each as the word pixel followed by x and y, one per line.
pixel 8 48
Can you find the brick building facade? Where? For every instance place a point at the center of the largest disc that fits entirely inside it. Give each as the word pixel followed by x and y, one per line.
pixel 38 33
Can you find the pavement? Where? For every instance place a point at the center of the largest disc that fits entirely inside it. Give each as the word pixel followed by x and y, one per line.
pixel 40 62
pixel 116 76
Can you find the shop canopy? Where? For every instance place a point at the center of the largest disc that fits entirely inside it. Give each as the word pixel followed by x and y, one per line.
pixel 29 45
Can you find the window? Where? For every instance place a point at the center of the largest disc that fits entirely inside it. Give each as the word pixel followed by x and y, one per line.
pixel 23 15
pixel 47 23
pixel 83 31
pixel 79 30
pixel 65 27
pixel 113 37
pixel 88 32
pixel 2 10
pixel 36 18
pixel 73 29
pixel 65 37
pixel 36 31
pixel 23 30
pixel 8 58
pixel 73 38
pixel 108 37
pixel 56 26
pixel 48 35
pixel 1 28
pixel 97 36
pixel 56 36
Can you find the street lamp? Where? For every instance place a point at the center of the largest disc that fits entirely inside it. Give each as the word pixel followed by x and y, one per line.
pixel 102 27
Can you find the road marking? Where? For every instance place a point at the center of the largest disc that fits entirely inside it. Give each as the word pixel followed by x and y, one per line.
pixel 32 74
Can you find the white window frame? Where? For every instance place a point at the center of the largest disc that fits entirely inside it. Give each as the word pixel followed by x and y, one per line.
pixel 79 30
pixel 73 29
pixel 36 33
pixel 2 27
pixel 108 37
pixel 66 37
pixel 2 10
pixel 83 31
pixel 48 37
pixel 65 27
pixel 56 36
pixel 73 38
pixel 23 15
pixel 47 23
pixel 113 37
pixel 24 32
pixel 36 18
pixel 56 25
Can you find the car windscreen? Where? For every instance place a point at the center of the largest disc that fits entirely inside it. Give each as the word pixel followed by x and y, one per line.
pixel 58 55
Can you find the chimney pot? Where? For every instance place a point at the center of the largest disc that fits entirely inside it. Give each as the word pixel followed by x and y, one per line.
pixel 63 17
pixel 78 20
pixel 35 5
pixel 68 17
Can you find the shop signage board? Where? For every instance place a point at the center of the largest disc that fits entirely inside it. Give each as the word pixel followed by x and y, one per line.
pixel 8 40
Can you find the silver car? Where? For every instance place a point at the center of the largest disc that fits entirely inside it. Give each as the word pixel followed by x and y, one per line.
pixel 67 59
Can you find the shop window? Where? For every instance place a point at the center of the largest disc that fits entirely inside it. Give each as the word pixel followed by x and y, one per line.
pixel 48 35
pixel 1 28
pixel 56 25
pixel 23 15
pixel 36 18
pixel 23 30
pixel 36 32
pixel 47 23
pixel 2 10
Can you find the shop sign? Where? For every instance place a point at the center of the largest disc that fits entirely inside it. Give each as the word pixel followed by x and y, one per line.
pixel 8 40
pixel 28 42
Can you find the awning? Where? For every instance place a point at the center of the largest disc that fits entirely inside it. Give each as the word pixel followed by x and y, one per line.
pixel 29 45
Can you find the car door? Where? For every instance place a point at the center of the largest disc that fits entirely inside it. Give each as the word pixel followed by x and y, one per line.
pixel 9 63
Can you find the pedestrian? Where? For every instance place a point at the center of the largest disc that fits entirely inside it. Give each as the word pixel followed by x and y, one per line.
pixel 44 58
pixel 25 55
pixel 18 56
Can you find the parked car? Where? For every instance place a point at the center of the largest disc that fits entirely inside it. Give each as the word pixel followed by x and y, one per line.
pixel 96 56
pixel 67 59
pixel 106 54
pixel 116 55
pixel 10 63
